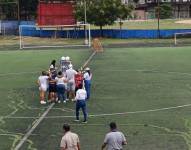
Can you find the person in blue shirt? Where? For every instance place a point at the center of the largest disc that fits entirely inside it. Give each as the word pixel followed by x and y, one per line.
pixel 87 81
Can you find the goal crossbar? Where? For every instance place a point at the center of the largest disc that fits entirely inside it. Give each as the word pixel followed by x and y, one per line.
pixel 175 36
pixel 87 34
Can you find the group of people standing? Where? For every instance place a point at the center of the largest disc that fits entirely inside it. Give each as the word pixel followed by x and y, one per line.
pixel 63 83
pixel 114 140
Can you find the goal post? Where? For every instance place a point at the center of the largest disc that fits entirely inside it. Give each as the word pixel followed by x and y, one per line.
pixel 51 36
pixel 183 38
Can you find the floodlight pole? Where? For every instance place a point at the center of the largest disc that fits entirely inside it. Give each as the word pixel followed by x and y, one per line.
pixel 18 10
pixel 85 12
pixel 158 18
pixel 85 21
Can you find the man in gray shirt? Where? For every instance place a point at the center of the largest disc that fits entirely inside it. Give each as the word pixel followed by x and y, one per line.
pixel 70 75
pixel 114 140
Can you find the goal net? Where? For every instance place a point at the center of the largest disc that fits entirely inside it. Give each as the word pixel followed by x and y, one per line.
pixel 182 39
pixel 54 36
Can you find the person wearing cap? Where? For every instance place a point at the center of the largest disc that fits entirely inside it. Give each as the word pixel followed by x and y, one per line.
pixel 87 81
pixel 70 140
pixel 52 65
pixel 80 98
pixel 114 140
pixel 70 75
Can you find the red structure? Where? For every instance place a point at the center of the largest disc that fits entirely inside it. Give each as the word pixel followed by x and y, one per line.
pixel 56 13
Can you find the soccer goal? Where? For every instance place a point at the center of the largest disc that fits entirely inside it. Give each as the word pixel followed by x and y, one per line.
pixel 32 36
pixel 182 38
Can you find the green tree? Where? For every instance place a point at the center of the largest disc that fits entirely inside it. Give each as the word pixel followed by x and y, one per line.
pixel 124 12
pixel 165 11
pixel 28 9
pixel 8 9
pixel 101 12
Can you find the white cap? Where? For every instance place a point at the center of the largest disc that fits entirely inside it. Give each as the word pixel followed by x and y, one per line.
pixel 70 66
pixel 63 58
pixel 87 69
pixel 51 66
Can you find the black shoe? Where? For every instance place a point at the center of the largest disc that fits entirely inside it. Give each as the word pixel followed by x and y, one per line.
pixel 84 122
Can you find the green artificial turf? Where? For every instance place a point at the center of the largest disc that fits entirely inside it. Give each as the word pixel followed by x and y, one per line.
pixel 136 82
pixel 148 24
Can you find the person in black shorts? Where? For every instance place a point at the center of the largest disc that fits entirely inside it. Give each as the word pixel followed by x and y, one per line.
pixel 52 85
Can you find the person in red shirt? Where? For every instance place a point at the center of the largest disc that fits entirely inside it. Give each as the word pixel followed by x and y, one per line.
pixel 78 79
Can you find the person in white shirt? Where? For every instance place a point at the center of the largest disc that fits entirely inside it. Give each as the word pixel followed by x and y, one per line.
pixel 70 75
pixel 43 86
pixel 70 140
pixel 60 85
pixel 114 140
pixel 87 81
pixel 80 98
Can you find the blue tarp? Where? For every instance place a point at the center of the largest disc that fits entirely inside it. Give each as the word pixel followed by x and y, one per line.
pixel 11 27
pixel 27 22
pixel 108 33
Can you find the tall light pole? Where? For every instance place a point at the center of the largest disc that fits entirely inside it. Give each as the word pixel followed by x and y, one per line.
pixel 18 10
pixel 85 22
pixel 85 12
pixel 158 18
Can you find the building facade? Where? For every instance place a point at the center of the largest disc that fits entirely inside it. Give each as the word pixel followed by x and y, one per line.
pixel 146 9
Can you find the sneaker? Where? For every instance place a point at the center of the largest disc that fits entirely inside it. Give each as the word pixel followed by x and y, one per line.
pixel 59 101
pixel 64 101
pixel 42 102
pixel 76 120
pixel 84 122
pixel 67 99
pixel 49 101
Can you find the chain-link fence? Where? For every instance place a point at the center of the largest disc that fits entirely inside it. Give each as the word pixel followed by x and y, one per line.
pixel 9 27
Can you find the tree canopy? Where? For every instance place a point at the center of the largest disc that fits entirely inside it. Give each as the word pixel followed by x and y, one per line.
pixel 10 9
pixel 165 11
pixel 102 12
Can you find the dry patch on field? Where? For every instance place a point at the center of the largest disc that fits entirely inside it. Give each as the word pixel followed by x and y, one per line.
pixel 184 22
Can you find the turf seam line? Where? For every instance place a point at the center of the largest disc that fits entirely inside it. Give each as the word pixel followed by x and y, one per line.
pixel 33 127
pixel 18 73
pixel 109 114
pixel 19 145
pixel 152 71
pixel 117 70
pixel 89 59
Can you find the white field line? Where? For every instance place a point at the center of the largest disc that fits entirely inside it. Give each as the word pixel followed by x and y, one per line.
pixel 19 145
pixel 106 114
pixel 114 70
pixel 89 59
pixel 43 108
pixel 61 109
pixel 142 70
pixel 17 73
